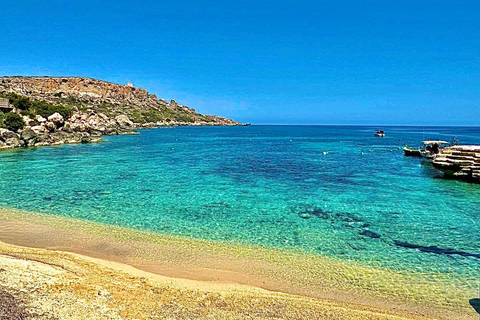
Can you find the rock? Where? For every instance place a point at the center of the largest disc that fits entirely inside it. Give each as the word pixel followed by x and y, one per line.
pixel 7 134
pixel 27 135
pixel 50 126
pixel 57 119
pixel 14 142
pixel 124 121
pixel 67 127
pixel 79 127
pixel 28 121
pixel 39 129
pixel 103 116
pixel 40 119
pixel 96 133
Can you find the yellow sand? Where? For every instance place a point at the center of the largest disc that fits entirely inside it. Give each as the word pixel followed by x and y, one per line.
pixel 313 287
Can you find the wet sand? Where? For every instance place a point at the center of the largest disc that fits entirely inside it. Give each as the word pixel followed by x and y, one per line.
pixel 71 269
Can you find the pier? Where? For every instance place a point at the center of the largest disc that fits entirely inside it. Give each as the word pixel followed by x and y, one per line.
pixel 462 162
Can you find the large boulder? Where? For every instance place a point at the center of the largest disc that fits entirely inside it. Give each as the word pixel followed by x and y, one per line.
pixel 39 129
pixel 94 121
pixel 40 119
pixel 14 142
pixel 7 134
pixel 124 121
pixel 78 126
pixel 50 126
pixel 27 135
pixel 56 119
pixel 28 121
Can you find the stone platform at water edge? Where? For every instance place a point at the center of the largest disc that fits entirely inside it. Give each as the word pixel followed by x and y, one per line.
pixel 462 162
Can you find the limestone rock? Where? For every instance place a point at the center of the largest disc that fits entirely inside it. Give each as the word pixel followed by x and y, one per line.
pixel 39 129
pixel 124 121
pixel 6 134
pixel 57 119
pixel 40 119
pixel 28 134
pixel 14 142
pixel 28 121
pixel 50 126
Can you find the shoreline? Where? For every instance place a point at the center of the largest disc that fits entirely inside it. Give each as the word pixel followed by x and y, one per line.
pixel 276 270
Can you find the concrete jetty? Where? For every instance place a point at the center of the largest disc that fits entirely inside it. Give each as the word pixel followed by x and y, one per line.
pixel 462 162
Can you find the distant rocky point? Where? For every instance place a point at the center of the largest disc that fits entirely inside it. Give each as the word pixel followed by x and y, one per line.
pixel 38 111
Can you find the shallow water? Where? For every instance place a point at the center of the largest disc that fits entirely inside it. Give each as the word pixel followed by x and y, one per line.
pixel 270 185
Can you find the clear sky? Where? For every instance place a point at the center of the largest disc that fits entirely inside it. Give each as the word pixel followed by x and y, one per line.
pixel 265 62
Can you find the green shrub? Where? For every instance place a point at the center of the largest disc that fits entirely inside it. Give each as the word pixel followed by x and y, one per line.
pixel 137 117
pixel 46 109
pixel 184 118
pixel 20 102
pixel 152 116
pixel 12 121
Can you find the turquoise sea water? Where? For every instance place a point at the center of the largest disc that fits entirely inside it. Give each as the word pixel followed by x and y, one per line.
pixel 267 185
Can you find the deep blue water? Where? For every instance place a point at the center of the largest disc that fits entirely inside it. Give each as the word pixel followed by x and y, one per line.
pixel 268 185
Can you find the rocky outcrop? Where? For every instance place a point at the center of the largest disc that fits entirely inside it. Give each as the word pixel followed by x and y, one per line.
pixel 462 162
pixel 99 108
pixel 79 128
pixel 91 95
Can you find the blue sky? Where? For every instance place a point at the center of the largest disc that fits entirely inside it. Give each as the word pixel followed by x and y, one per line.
pixel 265 62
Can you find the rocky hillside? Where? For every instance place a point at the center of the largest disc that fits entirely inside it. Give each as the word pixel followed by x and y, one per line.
pixel 91 95
pixel 38 111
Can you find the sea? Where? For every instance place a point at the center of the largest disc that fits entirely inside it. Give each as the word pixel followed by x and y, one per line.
pixel 335 191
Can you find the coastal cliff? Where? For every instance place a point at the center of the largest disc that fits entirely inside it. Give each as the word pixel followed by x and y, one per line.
pixel 37 111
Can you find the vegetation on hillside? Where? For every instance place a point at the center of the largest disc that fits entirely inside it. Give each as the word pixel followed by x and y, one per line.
pixel 11 121
pixel 36 107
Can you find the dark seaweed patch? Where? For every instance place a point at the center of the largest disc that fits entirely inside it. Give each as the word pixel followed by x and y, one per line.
pixel 435 249
pixel 315 212
pixel 370 234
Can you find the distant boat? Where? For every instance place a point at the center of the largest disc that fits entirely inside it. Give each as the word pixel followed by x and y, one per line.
pixel 379 133
pixel 411 152
pixel 431 148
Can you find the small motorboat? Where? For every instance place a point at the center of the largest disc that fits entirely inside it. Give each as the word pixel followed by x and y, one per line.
pixel 379 133
pixel 411 152
pixel 431 148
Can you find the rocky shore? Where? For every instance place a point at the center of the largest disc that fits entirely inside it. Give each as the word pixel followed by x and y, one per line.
pixel 91 108
pixel 55 130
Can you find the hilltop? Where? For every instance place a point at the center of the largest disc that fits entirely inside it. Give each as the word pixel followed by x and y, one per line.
pixel 38 111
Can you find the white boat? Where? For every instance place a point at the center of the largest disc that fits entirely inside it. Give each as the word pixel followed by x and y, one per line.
pixel 431 148
pixel 379 133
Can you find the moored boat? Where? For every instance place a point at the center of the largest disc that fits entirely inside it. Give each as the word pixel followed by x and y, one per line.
pixel 431 148
pixel 411 152
pixel 379 133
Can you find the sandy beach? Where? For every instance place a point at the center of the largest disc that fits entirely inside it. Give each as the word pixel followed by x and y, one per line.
pixel 70 269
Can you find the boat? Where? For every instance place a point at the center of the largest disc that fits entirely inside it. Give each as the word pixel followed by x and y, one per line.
pixel 411 152
pixel 431 148
pixel 379 133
